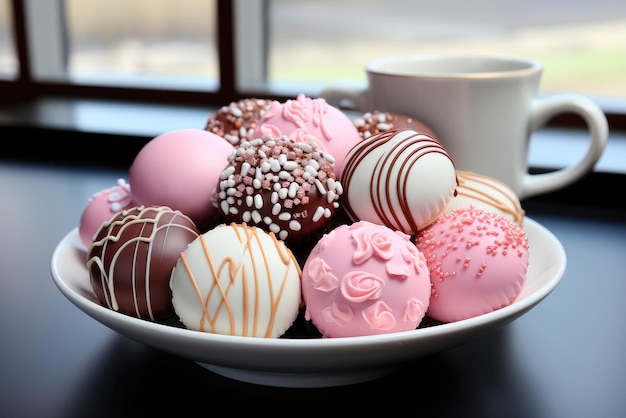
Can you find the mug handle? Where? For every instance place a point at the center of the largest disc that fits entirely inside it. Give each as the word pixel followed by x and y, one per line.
pixel 544 109
pixel 346 95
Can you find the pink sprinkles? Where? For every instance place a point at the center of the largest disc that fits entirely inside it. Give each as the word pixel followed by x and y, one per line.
pixel 283 174
pixel 470 227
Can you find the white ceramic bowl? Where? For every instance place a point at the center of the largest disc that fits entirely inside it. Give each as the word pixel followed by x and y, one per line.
pixel 309 362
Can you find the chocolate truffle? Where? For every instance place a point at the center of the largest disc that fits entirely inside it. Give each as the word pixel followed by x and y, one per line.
pixel 371 123
pixel 236 121
pixel 280 185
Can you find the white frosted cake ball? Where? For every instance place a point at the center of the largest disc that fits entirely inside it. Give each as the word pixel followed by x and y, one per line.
pixel 237 280
pixel 486 193
pixel 398 178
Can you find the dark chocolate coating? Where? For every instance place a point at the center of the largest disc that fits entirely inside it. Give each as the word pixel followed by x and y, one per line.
pixel 286 187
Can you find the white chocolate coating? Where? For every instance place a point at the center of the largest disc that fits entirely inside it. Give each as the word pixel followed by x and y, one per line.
pixel 486 193
pixel 237 280
pixel 398 178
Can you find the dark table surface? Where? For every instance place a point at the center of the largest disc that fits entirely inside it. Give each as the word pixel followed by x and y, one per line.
pixel 564 358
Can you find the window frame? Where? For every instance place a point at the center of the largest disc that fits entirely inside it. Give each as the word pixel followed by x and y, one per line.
pixel 241 37
pixel 41 54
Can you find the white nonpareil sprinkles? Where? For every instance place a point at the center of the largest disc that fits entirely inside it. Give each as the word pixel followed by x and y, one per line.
pixel 282 185
pixel 237 121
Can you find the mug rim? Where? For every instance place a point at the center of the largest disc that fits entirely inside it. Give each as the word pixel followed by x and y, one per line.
pixel 525 65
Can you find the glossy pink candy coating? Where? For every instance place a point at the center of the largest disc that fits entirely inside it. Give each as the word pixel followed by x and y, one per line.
pixel 181 169
pixel 365 279
pixel 304 117
pixel 478 261
pixel 101 207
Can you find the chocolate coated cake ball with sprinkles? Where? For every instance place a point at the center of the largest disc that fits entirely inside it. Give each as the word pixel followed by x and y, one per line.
pixel 281 186
pixel 236 121
pixel 375 121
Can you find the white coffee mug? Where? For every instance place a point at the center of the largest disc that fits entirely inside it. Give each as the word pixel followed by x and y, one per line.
pixel 483 109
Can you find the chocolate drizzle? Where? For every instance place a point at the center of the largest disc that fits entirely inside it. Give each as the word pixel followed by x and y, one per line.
pixel 393 198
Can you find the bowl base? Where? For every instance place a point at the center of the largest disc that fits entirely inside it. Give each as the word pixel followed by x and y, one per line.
pixel 299 380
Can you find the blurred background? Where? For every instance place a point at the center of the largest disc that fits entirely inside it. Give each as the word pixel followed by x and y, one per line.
pixel 295 43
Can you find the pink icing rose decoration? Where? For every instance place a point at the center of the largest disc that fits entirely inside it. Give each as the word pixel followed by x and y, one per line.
pixel 321 276
pixel 304 136
pixel 273 109
pixel 271 130
pixel 339 313
pixel 359 286
pixel 320 108
pixel 411 254
pixel 323 244
pixel 370 241
pixel 414 310
pixel 297 111
pixel 379 316
pixel 397 271
pixel 306 110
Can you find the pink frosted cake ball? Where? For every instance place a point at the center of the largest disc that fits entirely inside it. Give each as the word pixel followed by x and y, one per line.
pixel 181 169
pixel 398 178
pixel 101 207
pixel 237 280
pixel 365 279
pixel 478 262
pixel 305 118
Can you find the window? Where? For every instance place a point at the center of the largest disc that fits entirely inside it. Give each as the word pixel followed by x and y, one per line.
pixel 582 44
pixel 8 56
pixel 213 51
pixel 173 47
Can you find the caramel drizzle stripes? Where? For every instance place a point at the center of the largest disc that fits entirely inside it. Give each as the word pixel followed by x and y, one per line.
pixel 253 231
pixel 244 274
pixel 194 282
pixel 251 235
pixel 216 283
pixel 514 209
